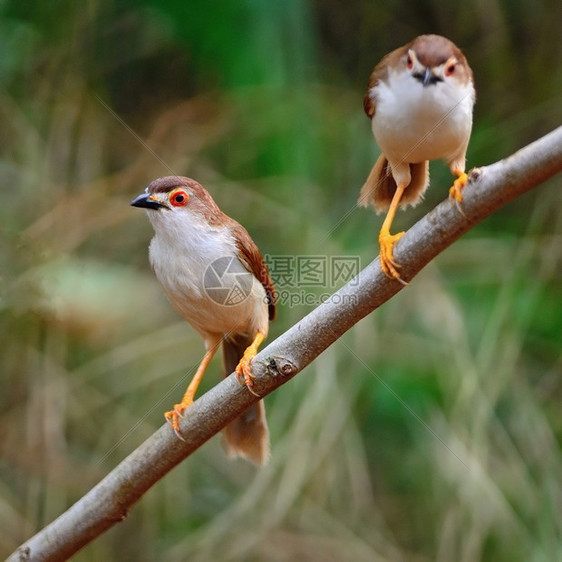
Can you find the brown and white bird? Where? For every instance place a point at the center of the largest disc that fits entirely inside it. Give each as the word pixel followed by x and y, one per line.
pixel 420 99
pixel 215 277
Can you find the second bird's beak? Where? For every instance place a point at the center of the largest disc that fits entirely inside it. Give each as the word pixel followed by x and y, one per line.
pixel 146 201
pixel 426 80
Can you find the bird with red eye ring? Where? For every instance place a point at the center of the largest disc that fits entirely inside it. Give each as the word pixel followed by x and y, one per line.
pixel 179 198
pixel 419 99
pixel 192 238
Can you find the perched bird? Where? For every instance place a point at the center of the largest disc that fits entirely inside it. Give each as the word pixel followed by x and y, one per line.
pixel 419 99
pixel 215 277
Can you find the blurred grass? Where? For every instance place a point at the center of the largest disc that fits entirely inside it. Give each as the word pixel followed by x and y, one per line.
pixel 262 103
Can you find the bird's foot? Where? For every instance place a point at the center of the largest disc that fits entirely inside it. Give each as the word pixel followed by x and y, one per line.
pixel 243 369
pixel 455 192
pixel 173 416
pixel 388 265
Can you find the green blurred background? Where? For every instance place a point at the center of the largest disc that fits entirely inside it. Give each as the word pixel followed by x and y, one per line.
pixel 262 102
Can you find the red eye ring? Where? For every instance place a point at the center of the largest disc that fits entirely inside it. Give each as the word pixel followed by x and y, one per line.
pixel 409 61
pixel 179 198
pixel 450 69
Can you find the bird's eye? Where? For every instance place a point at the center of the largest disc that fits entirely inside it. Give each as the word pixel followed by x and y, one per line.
pixel 450 69
pixel 409 62
pixel 179 198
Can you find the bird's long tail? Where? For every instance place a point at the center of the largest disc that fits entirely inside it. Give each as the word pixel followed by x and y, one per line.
pixel 380 186
pixel 247 436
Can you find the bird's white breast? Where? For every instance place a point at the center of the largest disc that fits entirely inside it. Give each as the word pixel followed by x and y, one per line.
pixel 413 123
pixel 182 251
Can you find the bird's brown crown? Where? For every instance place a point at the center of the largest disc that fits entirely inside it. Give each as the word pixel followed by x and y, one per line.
pixel 431 51
pixel 200 200
pixel 434 50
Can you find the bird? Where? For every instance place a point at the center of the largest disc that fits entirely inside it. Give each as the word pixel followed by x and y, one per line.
pixel 420 100
pixel 216 278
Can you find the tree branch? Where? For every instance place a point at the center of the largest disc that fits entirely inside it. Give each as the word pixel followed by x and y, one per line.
pixel 108 502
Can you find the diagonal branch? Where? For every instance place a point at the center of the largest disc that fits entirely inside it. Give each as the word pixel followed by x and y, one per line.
pixel 108 502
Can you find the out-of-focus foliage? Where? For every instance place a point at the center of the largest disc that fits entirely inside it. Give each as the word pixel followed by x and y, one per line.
pixel 431 431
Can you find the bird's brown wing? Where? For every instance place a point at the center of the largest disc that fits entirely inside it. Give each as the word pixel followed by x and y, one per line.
pixel 251 255
pixel 369 104
pixel 380 72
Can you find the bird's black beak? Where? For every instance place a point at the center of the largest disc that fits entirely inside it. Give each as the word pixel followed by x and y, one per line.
pixel 145 201
pixel 427 78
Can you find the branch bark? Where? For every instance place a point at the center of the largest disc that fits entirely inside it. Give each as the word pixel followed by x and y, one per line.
pixel 108 502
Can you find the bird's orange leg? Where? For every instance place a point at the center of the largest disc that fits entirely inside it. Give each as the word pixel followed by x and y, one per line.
pixel 173 415
pixel 387 240
pixel 243 370
pixel 456 189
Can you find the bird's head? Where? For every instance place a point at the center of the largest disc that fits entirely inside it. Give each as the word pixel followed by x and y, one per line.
pixel 433 59
pixel 178 200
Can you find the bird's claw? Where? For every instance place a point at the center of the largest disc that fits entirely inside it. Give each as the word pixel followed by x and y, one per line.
pixel 172 417
pixel 244 372
pixel 388 265
pixel 455 192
